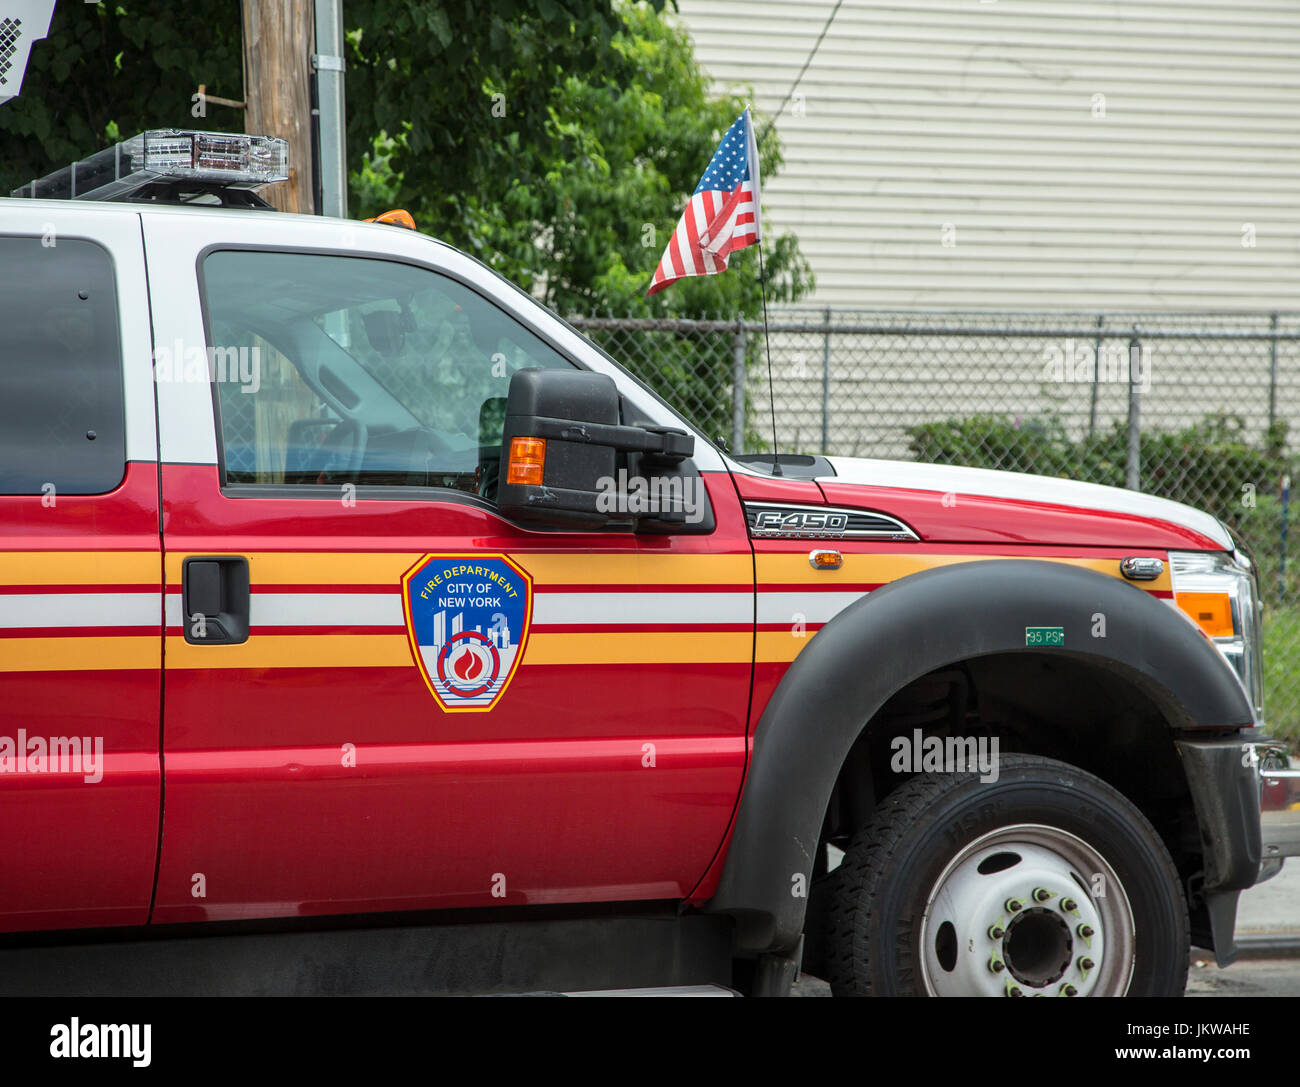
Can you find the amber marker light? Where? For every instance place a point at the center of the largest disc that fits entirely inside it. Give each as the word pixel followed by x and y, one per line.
pixel 1212 612
pixel 396 217
pixel 825 559
pixel 527 461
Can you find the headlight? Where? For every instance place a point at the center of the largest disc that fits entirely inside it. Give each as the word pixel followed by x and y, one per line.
pixel 1218 593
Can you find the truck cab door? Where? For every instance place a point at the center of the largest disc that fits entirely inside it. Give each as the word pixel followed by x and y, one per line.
pixel 80 571
pixel 382 694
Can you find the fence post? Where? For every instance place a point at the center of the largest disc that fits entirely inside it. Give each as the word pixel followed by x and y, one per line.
pixel 1133 461
pixel 1272 374
pixel 738 388
pixel 1096 374
pixel 826 384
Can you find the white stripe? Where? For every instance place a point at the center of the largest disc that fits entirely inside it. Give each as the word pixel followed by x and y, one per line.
pixel 813 606
pixel 701 214
pixel 326 609
pixel 725 234
pixel 684 248
pixel 313 610
pixel 42 610
pixel 594 608
pixel 704 214
pixel 615 609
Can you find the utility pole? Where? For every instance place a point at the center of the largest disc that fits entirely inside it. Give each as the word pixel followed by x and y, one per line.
pixel 277 81
pixel 328 61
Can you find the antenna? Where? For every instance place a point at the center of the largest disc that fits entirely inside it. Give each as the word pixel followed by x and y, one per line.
pixel 767 343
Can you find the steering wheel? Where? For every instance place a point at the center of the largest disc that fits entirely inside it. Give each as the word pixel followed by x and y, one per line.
pixel 346 451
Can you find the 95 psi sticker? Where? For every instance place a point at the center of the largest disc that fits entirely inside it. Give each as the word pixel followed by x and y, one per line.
pixel 1044 635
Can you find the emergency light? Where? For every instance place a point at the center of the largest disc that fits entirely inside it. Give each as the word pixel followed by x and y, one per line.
pixel 171 165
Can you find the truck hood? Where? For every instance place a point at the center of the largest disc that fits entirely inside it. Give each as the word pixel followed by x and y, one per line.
pixel 946 503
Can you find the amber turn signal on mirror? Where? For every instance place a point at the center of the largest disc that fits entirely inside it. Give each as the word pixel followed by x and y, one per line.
pixel 527 461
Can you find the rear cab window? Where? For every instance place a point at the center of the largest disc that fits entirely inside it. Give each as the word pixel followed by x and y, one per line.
pixel 62 415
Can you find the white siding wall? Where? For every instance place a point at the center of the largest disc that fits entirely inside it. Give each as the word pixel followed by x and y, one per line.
pixel 920 113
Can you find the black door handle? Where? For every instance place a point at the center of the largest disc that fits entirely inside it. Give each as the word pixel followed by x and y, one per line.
pixel 214 599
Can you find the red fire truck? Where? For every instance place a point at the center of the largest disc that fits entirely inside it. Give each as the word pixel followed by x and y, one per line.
pixel 351 599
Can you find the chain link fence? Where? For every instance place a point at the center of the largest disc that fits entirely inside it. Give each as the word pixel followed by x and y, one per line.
pixel 1191 406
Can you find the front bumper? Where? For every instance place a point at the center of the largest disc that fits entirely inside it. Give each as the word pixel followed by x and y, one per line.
pixel 1280 808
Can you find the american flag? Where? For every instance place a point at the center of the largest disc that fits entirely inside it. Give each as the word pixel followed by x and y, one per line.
pixel 722 215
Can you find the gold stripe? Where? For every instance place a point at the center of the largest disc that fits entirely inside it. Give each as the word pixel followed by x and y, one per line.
pixel 568 568
pixel 312 568
pixel 295 651
pixel 779 646
pixel 393 650
pixel 638 569
pixel 78 567
pixel 659 647
pixel 77 654
pixel 883 568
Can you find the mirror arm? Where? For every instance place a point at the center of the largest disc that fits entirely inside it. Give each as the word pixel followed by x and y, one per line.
pixel 661 443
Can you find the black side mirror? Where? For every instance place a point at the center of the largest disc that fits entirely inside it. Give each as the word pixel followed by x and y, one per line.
pixel 563 445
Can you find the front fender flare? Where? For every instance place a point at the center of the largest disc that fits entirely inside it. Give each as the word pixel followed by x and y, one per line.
pixel 898 633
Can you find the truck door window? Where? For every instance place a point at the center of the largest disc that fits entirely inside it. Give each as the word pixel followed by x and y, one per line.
pixel 333 369
pixel 62 420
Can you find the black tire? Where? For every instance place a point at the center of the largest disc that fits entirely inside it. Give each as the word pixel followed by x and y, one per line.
pixel 892 866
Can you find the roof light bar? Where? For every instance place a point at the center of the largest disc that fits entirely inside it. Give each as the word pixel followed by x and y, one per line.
pixel 216 159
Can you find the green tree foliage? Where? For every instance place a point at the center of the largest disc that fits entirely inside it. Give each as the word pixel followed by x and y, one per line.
pixel 117 68
pixel 579 174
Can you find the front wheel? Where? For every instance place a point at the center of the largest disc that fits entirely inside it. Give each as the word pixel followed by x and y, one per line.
pixel 1047 882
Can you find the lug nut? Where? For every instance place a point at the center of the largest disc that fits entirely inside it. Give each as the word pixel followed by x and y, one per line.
pixel 1042 894
pixel 1086 963
pixel 1013 991
pixel 1069 990
pixel 997 965
pixel 1069 905
pixel 1014 905
pixel 996 932
pixel 1085 931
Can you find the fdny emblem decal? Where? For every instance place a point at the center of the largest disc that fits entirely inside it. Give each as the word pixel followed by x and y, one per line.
pixel 467 618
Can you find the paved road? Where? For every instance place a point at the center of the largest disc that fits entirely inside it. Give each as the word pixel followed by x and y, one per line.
pixel 1245 977
pixel 1273 906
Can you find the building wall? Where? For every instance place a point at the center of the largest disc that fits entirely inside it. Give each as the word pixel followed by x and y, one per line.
pixel 982 116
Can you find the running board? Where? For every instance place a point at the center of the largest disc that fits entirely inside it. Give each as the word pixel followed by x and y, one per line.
pixel 662 990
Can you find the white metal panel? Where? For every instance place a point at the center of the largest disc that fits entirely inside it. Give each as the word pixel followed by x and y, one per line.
pixel 119 234
pixel 920 113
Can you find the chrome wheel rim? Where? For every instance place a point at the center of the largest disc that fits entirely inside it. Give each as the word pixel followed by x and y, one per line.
pixel 1027 910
